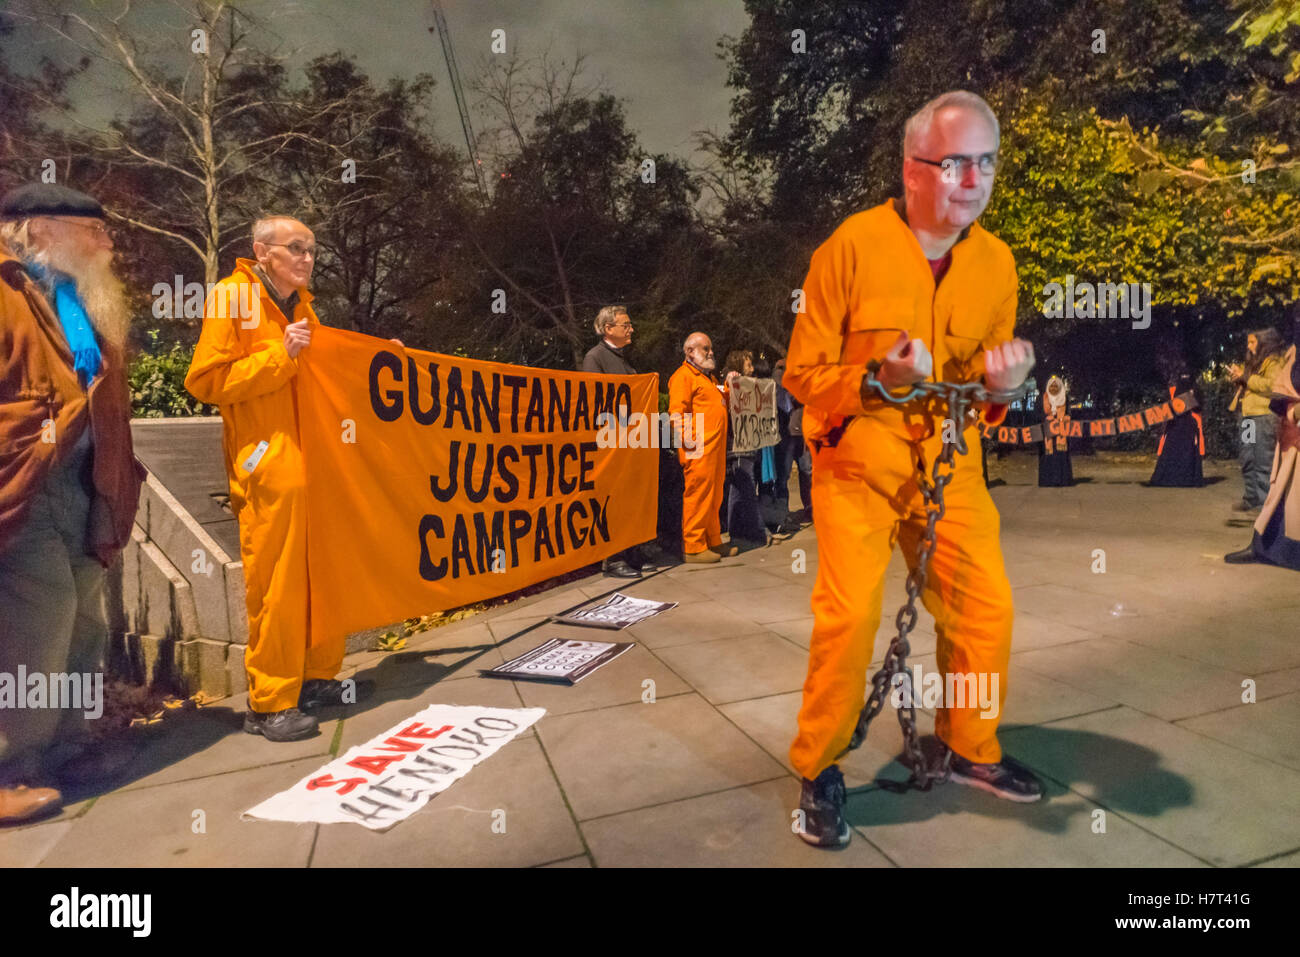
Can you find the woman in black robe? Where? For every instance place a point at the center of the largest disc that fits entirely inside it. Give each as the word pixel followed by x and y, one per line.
pixel 1054 468
pixel 1182 446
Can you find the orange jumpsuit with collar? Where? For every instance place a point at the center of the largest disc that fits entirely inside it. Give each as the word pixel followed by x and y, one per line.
pixel 242 366
pixel 693 393
pixel 867 282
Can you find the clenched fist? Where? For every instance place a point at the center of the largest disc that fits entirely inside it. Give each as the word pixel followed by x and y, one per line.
pixel 905 363
pixel 297 336
pixel 1007 366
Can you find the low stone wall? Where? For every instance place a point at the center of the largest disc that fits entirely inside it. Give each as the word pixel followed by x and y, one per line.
pixel 176 596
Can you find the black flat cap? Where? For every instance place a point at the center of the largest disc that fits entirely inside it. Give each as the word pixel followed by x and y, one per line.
pixel 47 199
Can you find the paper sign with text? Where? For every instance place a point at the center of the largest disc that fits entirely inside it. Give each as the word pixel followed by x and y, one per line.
pixel 394 774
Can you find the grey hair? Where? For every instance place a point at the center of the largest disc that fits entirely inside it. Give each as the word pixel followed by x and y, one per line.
pixel 919 123
pixel 14 234
pixel 606 317
pixel 264 228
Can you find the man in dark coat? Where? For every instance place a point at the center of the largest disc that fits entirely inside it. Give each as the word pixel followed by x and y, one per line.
pixel 607 357
pixel 69 482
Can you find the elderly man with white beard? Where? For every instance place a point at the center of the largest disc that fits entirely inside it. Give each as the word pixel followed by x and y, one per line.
pixel 69 482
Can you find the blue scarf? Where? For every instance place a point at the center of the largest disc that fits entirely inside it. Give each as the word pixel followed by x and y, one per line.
pixel 767 465
pixel 86 357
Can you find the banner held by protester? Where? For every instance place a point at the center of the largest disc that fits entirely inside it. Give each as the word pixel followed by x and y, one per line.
pixel 436 481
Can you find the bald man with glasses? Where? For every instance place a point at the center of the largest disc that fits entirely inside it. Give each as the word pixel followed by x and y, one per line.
pixel 246 363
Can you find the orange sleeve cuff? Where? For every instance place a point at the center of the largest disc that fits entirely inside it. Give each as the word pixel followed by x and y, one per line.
pixel 994 413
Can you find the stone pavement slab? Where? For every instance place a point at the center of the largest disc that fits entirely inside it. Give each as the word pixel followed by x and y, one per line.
pixel 955 826
pixel 637 755
pixel 795 630
pixel 731 669
pixel 1220 804
pixel 690 622
pixel 743 827
pixel 28 846
pixel 1269 728
pixel 1163 685
pixel 155 827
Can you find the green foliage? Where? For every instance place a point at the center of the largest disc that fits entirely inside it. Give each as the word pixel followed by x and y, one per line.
pixel 157 382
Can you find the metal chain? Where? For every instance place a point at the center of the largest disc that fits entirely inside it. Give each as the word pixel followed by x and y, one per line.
pixel 958 398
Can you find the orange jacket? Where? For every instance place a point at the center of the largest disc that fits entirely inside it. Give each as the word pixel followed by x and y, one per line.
pixel 691 391
pixel 43 412
pixel 241 365
pixel 869 281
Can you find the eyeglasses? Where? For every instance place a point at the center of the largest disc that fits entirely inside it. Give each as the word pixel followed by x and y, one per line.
pixel 987 163
pixel 297 249
pixel 97 227
pixel 622 325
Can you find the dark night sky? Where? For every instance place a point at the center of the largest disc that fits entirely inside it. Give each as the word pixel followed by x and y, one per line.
pixel 658 56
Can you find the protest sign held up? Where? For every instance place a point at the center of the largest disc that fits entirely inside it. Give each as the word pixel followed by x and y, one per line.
pixel 444 480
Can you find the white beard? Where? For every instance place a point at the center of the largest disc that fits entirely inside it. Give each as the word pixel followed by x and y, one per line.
pixel 102 294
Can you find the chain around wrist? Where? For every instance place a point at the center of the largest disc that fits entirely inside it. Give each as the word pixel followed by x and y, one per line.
pixel 864 390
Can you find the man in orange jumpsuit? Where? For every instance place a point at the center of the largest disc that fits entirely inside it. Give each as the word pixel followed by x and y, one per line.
pixel 919 290
pixel 257 321
pixel 694 396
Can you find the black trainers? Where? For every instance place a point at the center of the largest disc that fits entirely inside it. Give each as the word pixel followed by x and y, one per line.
pixel 320 693
pixel 1007 779
pixel 287 725
pixel 822 807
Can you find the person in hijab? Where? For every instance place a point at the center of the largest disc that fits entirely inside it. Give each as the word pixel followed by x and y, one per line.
pixel 1054 454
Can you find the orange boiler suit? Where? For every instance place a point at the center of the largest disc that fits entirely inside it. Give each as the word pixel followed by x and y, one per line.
pixel 866 283
pixel 692 392
pixel 242 366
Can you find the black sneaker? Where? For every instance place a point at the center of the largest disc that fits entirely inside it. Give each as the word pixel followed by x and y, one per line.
pixel 822 804
pixel 287 725
pixel 1246 556
pixel 320 693
pixel 1007 779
